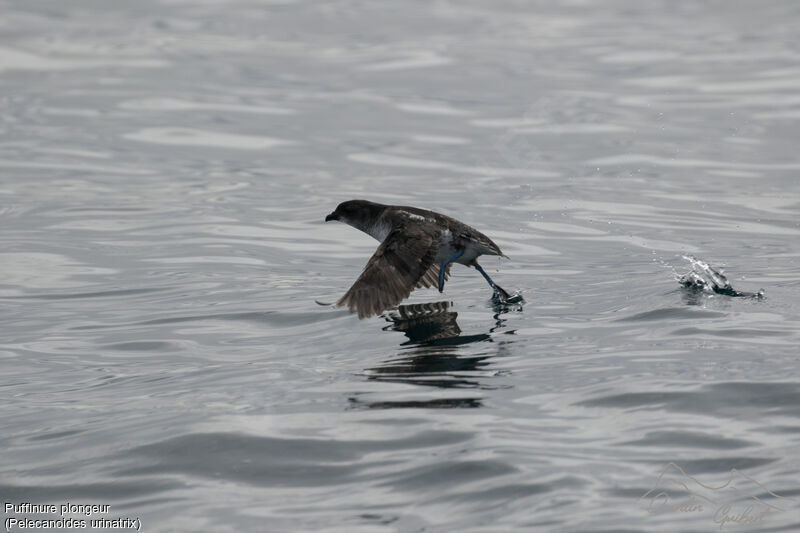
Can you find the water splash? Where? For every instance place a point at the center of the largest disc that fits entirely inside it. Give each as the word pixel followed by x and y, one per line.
pixel 503 298
pixel 707 279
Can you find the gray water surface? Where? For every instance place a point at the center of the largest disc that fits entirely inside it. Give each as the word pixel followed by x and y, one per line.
pixel 165 169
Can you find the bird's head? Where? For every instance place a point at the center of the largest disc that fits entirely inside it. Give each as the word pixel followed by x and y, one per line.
pixel 357 213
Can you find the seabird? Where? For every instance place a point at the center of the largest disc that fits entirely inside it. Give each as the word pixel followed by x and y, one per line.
pixel 417 249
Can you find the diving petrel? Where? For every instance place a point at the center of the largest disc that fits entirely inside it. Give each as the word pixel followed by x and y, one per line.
pixel 416 250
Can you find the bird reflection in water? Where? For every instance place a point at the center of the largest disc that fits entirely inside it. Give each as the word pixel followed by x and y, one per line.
pixel 430 357
pixel 426 323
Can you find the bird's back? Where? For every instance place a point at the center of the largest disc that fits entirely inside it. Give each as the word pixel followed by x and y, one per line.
pixel 462 235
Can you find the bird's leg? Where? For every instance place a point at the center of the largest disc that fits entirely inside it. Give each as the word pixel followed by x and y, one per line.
pixel 443 266
pixel 494 286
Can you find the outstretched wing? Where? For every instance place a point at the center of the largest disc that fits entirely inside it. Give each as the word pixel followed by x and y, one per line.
pixel 399 265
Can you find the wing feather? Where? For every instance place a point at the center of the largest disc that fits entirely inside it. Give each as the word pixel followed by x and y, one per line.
pixel 431 277
pixel 402 262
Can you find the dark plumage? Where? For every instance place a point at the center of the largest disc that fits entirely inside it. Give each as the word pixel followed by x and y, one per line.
pixel 415 245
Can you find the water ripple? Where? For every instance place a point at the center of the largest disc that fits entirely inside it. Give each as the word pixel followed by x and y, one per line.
pixel 163 246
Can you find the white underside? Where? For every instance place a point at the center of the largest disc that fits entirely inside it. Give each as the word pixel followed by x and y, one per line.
pixel 379 231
